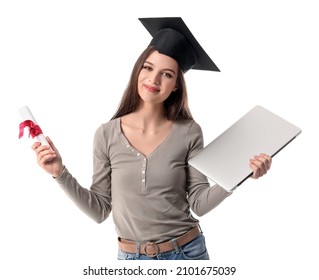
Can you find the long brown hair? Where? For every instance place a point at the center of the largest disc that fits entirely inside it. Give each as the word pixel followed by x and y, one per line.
pixel 176 105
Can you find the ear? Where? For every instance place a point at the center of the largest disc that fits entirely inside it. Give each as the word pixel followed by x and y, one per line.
pixel 175 88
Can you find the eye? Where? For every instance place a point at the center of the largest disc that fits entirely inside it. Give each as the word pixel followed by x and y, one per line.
pixel 168 75
pixel 147 68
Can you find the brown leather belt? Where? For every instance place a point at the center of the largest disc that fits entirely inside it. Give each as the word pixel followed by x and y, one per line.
pixel 152 249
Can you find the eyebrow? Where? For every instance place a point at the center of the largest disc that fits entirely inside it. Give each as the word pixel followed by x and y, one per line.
pixel 166 69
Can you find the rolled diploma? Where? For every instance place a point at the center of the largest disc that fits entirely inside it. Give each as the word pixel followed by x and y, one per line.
pixel 26 114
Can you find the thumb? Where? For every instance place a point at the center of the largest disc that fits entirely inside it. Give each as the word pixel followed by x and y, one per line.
pixel 52 145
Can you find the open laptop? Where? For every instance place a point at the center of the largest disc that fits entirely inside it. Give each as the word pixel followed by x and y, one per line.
pixel 225 160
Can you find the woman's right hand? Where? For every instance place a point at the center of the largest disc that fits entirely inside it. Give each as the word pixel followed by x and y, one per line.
pixel 49 159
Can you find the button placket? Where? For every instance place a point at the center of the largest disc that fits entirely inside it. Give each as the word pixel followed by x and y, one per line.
pixel 143 168
pixel 143 174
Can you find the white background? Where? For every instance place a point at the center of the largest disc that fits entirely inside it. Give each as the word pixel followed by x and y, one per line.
pixel 70 61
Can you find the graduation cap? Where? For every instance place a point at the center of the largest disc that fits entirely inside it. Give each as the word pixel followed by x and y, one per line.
pixel 172 37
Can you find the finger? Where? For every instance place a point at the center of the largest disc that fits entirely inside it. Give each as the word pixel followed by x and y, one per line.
pixel 35 145
pixel 258 162
pixel 266 156
pixel 40 148
pixel 267 161
pixel 45 156
pixel 52 145
pixel 255 169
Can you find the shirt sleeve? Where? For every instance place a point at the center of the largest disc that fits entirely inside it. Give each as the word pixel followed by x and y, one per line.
pixel 201 196
pixel 96 201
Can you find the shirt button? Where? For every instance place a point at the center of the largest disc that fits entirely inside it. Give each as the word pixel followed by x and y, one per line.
pixel 138 154
pixel 143 180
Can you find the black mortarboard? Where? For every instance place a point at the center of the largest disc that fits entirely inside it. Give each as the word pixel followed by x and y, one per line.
pixel 172 37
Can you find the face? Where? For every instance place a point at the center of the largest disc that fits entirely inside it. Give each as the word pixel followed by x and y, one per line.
pixel 157 79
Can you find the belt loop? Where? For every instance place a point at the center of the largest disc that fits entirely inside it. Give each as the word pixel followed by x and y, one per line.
pixel 138 249
pixel 175 245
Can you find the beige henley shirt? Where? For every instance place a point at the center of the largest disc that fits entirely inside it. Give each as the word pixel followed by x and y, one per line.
pixel 150 197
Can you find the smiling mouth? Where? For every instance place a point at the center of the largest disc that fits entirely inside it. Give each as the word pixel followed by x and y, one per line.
pixel 151 89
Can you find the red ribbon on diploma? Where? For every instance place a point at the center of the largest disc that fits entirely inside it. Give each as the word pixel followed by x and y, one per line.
pixel 34 129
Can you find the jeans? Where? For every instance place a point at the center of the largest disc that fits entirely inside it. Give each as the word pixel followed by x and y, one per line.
pixel 194 250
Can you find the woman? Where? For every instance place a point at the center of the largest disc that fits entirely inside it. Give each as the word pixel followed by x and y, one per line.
pixel 140 164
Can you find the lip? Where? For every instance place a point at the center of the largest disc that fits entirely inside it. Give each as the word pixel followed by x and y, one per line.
pixel 151 89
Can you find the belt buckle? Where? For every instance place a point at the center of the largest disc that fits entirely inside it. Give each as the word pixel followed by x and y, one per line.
pixel 153 245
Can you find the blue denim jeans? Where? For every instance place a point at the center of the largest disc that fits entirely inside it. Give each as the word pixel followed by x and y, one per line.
pixel 194 250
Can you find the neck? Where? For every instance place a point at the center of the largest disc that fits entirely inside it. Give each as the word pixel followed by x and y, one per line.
pixel 149 117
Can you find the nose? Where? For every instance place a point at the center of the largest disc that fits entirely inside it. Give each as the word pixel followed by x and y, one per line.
pixel 155 78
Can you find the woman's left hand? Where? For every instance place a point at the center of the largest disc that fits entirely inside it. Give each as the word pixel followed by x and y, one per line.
pixel 260 165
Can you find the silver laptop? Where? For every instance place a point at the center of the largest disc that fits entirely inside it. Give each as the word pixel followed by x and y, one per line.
pixel 226 159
